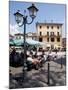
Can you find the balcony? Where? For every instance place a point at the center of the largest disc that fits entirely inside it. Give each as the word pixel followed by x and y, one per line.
pixel 52 35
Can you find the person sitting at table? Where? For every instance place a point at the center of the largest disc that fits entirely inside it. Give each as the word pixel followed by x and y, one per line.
pixel 33 61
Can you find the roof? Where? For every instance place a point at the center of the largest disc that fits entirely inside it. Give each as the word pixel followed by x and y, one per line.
pixel 33 6
pixel 34 34
pixel 18 13
pixel 11 35
pixel 51 23
pixel 21 34
pixel 18 34
pixel 31 34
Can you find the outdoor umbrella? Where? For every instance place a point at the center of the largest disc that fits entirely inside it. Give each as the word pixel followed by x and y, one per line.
pixel 11 42
pixel 18 42
pixel 32 42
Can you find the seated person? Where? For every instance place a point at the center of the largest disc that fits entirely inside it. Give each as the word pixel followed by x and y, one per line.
pixel 32 59
pixel 35 59
pixel 29 62
pixel 33 62
pixel 29 58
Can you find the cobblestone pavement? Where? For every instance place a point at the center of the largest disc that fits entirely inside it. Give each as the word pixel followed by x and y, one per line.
pixel 39 78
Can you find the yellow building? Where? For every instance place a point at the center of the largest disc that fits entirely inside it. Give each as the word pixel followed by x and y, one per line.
pixel 50 34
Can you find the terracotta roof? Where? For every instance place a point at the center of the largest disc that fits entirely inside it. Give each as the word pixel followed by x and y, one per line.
pixel 18 34
pixel 11 35
pixel 51 23
pixel 35 34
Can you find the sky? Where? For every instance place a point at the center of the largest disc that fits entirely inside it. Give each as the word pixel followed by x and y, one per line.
pixel 46 13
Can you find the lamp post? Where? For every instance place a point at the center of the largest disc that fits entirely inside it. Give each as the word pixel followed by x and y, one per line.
pixel 61 63
pixel 48 78
pixel 22 21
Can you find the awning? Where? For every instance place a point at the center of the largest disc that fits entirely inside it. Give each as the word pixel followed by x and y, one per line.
pixel 19 42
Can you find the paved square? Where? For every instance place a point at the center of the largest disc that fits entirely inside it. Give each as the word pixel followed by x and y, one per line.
pixel 39 78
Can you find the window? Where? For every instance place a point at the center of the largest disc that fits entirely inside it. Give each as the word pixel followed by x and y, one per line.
pixel 32 37
pixel 40 27
pixel 40 39
pixel 40 33
pixel 47 33
pixel 52 39
pixel 58 33
pixel 52 27
pixel 47 39
pixel 52 47
pixel 57 27
pixel 19 37
pixel 47 27
pixel 52 33
pixel 58 39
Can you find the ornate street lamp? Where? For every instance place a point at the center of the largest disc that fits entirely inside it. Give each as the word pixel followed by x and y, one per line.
pixel 32 11
pixel 18 17
pixel 22 21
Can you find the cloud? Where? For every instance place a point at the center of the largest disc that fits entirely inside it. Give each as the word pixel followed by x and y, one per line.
pixel 13 29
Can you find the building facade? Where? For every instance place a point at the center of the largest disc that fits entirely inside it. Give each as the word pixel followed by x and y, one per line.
pixel 29 35
pixel 64 43
pixel 50 34
pixel 11 37
pixel 18 36
pixel 32 35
